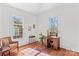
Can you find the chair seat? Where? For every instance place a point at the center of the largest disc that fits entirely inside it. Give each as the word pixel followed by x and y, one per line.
pixel 0 49
pixel 13 44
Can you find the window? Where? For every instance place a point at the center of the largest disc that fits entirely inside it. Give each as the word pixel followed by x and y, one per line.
pixel 53 26
pixel 18 31
pixel 17 27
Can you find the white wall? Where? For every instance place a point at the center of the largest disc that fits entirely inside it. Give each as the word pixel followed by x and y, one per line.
pixel 6 23
pixel 78 28
pixel 68 25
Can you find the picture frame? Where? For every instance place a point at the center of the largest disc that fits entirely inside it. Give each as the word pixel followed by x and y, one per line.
pixel 34 26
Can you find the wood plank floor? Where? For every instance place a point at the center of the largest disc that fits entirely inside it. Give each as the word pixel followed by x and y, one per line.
pixel 50 51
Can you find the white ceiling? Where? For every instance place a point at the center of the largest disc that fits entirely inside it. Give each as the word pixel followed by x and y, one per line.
pixel 35 8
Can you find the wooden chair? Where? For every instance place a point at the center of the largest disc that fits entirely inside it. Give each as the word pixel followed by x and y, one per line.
pixel 6 41
pixel 0 47
pixel 4 49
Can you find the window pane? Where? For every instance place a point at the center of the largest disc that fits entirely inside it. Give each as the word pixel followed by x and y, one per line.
pixel 53 26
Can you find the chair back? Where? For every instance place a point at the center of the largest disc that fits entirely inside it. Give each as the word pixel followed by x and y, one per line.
pixel 0 44
pixel 6 41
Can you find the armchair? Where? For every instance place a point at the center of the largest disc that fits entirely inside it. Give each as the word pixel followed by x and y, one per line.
pixel 0 47
pixel 3 49
pixel 6 41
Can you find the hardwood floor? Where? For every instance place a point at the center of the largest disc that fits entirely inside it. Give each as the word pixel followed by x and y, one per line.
pixel 50 51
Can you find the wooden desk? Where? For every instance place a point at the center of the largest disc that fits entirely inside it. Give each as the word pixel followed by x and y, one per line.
pixel 55 42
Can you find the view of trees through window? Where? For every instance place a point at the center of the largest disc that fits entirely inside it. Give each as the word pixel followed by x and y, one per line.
pixel 18 28
pixel 54 26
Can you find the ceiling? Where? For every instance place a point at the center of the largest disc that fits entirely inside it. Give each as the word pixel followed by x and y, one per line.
pixel 35 8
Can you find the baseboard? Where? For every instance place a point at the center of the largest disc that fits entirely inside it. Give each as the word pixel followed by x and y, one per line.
pixel 27 44
pixel 70 50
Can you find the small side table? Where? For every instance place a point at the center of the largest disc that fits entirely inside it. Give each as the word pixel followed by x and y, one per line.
pixel 32 39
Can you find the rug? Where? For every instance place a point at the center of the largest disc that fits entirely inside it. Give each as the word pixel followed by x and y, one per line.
pixel 32 52
pixel 43 54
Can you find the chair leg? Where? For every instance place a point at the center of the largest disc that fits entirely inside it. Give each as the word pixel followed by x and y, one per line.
pixel 17 48
pixel 3 54
pixel 9 52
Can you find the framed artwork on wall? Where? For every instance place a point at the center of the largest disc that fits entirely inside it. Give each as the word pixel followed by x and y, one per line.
pixel 34 26
pixel 29 28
